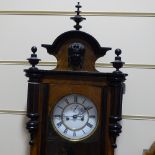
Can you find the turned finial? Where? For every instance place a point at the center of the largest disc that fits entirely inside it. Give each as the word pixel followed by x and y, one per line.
pixel 118 62
pixel 78 18
pixel 33 60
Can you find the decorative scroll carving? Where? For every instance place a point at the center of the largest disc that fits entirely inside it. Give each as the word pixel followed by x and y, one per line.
pixel 76 55
pixel 151 151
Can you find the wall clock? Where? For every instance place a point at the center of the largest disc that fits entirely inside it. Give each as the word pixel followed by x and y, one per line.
pixel 74 109
pixel 74 117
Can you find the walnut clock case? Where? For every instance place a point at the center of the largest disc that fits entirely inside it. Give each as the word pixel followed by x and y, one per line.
pixel 74 109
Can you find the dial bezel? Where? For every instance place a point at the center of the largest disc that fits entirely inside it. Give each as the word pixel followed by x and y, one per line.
pixel 65 137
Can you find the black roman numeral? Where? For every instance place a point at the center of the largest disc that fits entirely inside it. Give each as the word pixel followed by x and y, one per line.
pixel 74 134
pixel 59 124
pixel 60 107
pixel 57 115
pixel 75 99
pixel 92 116
pixel 83 131
pixel 88 108
pixel 83 101
pixel 66 100
pixel 65 131
pixel 89 125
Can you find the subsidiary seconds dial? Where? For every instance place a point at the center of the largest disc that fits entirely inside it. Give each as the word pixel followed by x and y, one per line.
pixel 74 117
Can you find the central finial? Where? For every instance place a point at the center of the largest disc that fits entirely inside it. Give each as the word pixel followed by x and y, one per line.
pixel 77 18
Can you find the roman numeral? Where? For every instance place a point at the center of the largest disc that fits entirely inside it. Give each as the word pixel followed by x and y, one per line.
pixel 83 101
pixel 75 99
pixel 89 125
pixel 59 124
pixel 65 131
pixel 58 116
pixel 92 116
pixel 60 107
pixel 83 131
pixel 66 100
pixel 74 134
pixel 88 108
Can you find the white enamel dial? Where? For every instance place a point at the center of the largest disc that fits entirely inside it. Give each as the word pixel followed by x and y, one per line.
pixel 74 117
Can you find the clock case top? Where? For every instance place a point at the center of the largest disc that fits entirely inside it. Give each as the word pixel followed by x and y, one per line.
pixel 76 53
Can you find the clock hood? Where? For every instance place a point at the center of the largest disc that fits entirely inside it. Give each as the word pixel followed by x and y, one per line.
pixel 74 35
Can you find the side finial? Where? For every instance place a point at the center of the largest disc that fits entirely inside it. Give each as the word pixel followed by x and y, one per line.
pixel 33 60
pixel 78 18
pixel 118 62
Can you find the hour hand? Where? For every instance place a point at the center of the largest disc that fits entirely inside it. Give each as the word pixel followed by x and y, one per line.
pixel 75 108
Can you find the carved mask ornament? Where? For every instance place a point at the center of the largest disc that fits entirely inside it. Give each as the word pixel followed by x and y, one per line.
pixel 76 53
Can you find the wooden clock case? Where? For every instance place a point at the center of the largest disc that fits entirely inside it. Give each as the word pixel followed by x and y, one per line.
pixel 75 73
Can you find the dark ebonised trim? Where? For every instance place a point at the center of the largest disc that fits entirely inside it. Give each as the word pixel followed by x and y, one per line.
pixel 41 73
pixel 32 110
pixel 33 97
pixel 116 84
pixel 78 18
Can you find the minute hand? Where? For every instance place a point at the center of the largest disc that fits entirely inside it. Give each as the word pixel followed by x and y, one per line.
pixel 84 110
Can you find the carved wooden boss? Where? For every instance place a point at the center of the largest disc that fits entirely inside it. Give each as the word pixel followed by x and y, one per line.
pixel 74 109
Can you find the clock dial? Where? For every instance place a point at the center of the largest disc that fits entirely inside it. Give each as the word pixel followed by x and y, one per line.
pixel 74 117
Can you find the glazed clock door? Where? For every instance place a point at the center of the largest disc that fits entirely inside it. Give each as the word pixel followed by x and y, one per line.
pixel 74 120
